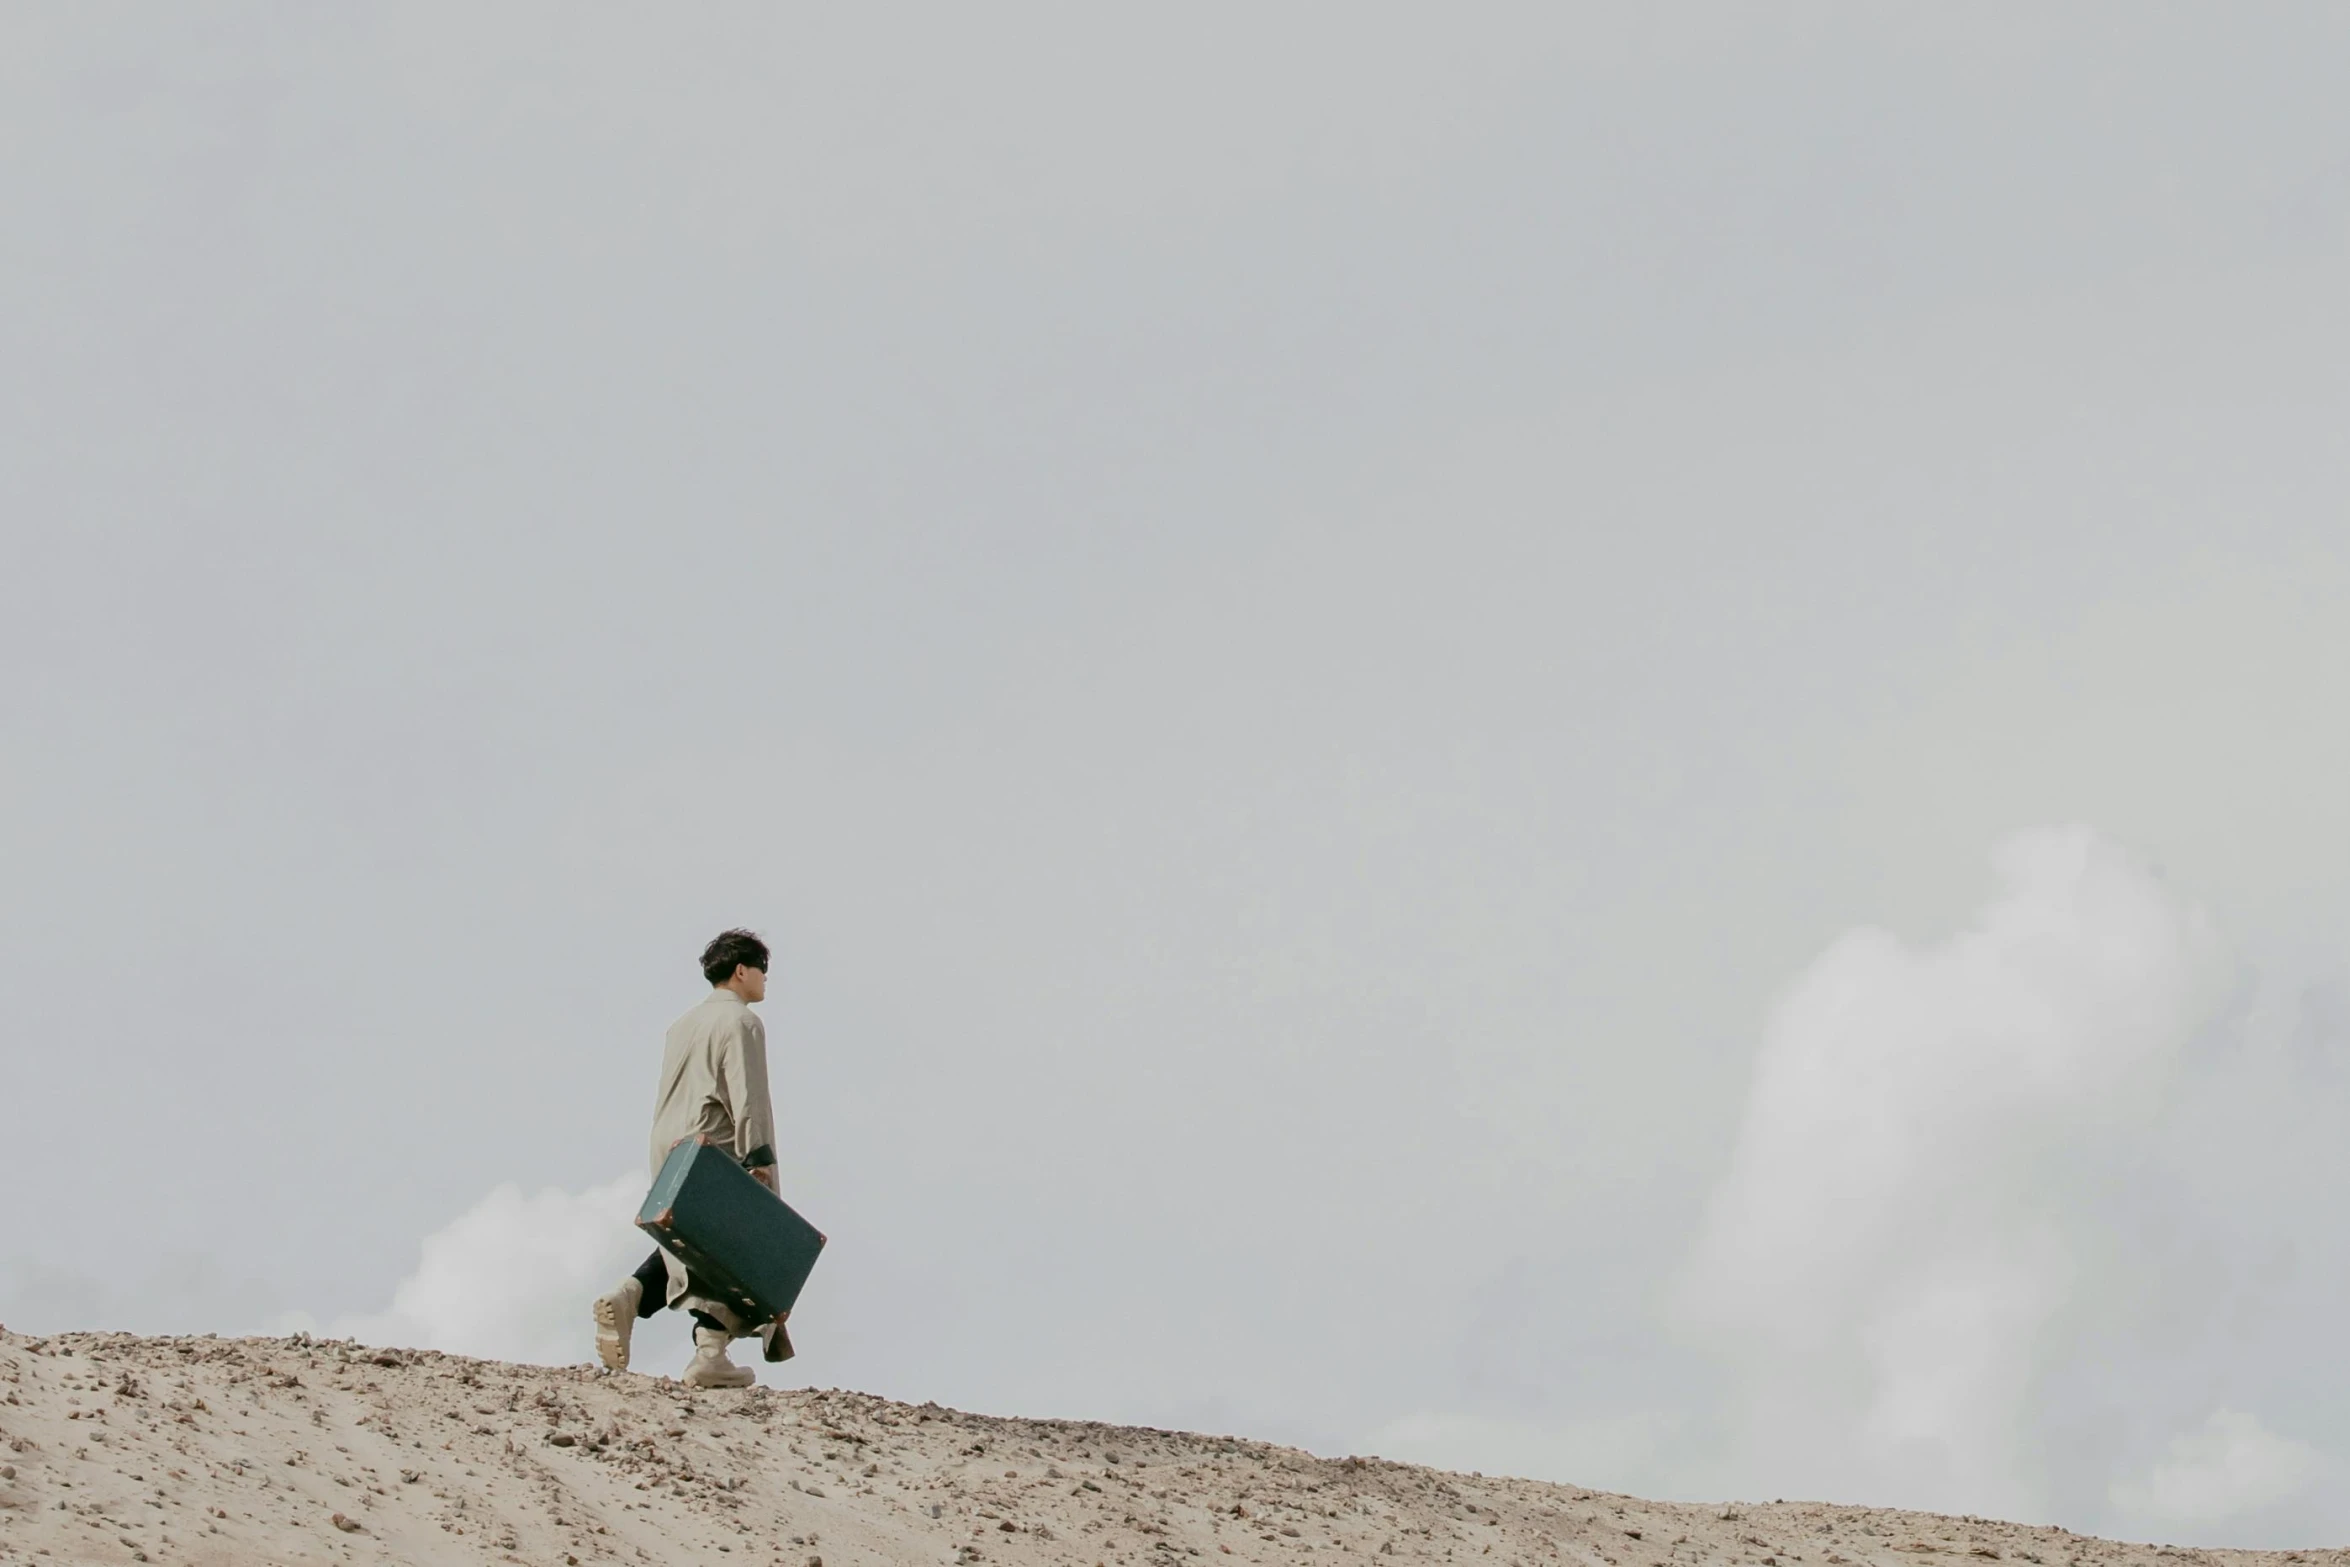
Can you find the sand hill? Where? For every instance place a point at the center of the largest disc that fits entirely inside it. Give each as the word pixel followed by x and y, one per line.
pixel 115 1448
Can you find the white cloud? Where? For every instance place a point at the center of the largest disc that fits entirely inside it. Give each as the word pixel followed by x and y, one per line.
pixel 1894 1232
pixel 2231 1464
pixel 512 1277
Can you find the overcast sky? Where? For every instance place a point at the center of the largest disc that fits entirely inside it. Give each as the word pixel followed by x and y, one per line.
pixel 1596 741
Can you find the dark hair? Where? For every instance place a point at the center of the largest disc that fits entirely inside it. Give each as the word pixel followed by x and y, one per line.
pixel 731 948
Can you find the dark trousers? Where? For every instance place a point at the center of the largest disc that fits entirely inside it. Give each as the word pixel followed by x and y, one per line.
pixel 652 1275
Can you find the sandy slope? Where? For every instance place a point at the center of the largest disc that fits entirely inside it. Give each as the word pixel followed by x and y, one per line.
pixel 115 1448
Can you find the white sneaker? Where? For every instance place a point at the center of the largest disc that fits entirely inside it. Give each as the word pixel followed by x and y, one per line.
pixel 711 1368
pixel 615 1321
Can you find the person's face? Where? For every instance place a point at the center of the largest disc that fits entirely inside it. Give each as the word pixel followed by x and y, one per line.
pixel 752 982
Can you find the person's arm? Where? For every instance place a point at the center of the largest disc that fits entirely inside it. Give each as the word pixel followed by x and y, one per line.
pixel 745 1070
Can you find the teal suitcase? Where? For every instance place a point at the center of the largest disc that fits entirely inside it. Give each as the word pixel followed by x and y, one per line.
pixel 743 1244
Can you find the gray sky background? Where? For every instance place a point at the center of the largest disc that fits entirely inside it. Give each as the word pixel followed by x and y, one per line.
pixel 1311 628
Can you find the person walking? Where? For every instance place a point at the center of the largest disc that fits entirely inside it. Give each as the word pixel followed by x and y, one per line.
pixel 713 1087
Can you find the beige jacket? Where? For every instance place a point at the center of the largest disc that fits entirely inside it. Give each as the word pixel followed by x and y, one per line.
pixel 713 1086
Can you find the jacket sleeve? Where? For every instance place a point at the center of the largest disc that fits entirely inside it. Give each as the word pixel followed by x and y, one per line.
pixel 743 1065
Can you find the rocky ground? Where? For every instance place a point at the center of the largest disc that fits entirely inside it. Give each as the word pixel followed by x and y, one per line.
pixel 115 1448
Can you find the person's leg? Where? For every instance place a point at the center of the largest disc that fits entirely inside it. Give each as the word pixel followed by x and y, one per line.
pixel 652 1280
pixel 710 1366
pixel 639 1295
